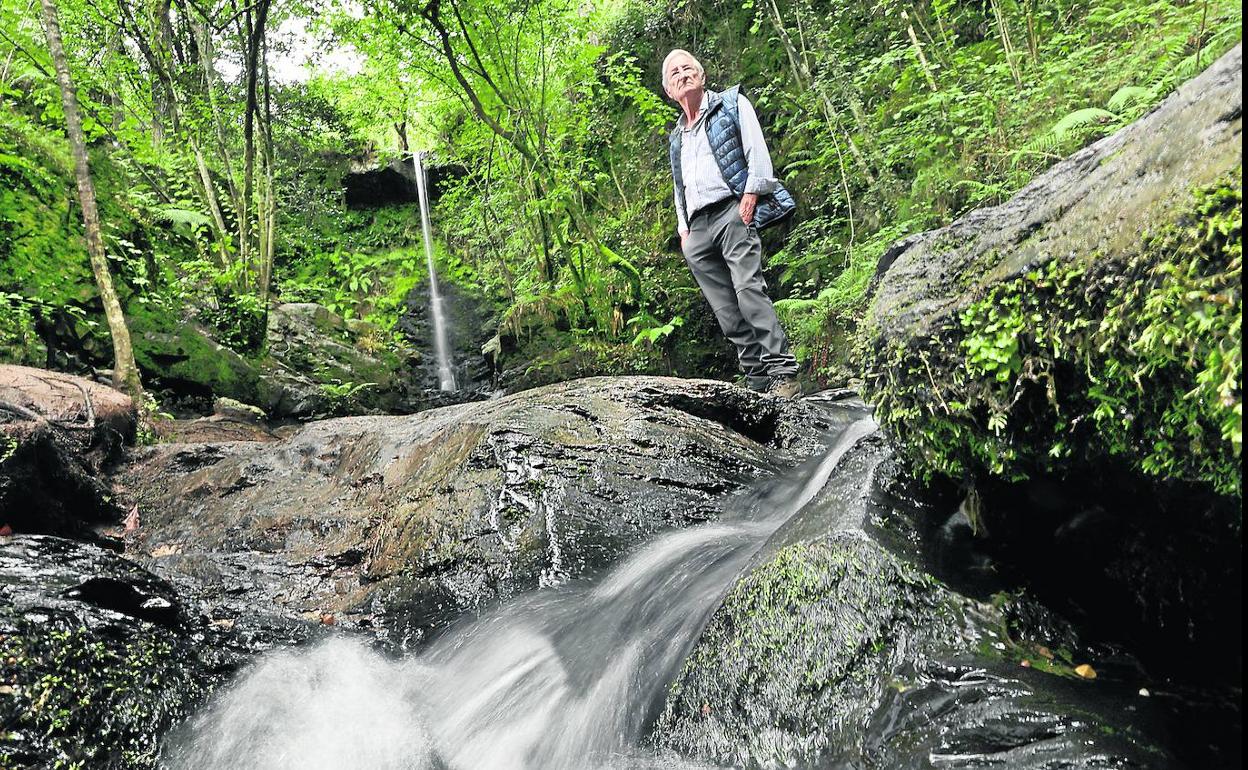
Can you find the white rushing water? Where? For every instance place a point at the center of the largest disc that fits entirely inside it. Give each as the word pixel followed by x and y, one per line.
pixel 565 678
pixel 441 347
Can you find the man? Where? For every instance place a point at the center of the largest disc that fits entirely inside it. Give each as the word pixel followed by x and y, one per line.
pixel 725 192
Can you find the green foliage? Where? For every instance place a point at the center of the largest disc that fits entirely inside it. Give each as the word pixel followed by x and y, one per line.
pixel 1139 359
pixel 555 202
pixel 237 321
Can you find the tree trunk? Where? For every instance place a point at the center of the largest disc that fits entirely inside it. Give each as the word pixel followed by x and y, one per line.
pixel 125 372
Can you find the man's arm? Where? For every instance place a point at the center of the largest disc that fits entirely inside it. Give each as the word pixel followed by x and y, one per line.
pixel 761 179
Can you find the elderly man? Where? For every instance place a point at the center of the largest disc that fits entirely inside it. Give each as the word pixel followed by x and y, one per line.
pixel 725 193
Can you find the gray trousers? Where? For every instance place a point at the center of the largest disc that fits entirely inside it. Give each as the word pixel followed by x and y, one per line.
pixel 726 258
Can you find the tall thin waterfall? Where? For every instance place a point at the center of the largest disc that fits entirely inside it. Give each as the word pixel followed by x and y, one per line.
pixel 566 678
pixel 446 375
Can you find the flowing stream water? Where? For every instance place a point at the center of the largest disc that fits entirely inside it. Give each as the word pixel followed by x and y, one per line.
pixel 565 678
pixel 441 347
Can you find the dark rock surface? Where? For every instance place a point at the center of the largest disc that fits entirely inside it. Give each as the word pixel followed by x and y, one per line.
pixel 868 637
pixel 1073 357
pixel 471 322
pixel 402 523
pixel 98 657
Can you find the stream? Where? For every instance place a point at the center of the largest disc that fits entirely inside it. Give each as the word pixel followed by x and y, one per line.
pixel 565 678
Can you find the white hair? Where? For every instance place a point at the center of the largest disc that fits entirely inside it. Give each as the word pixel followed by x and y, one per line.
pixel 678 52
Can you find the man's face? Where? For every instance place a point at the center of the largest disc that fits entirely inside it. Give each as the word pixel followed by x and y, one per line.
pixel 682 77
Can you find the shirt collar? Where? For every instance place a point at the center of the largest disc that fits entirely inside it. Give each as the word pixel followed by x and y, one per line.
pixel 706 97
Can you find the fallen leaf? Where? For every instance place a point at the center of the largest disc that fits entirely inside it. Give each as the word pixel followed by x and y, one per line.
pixel 1025 663
pixel 166 549
pixel 327 619
pixel 1045 652
pixel 132 520
pixel 706 709
pixel 5 530
pixel 1085 671
pixel 226 623
pixel 6 689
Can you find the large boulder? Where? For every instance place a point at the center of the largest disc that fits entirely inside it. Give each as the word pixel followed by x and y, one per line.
pixel 97 657
pixel 871 633
pixel 402 523
pixel 1073 357
pixel 314 363
pixel 57 431
pixel 319 366
pixel 1094 317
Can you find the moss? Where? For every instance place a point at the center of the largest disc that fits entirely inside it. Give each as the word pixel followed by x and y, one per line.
pixel 175 350
pixel 797 652
pixel 81 699
pixel 1134 357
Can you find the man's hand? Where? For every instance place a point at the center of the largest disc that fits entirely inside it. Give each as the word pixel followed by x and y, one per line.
pixel 684 236
pixel 748 202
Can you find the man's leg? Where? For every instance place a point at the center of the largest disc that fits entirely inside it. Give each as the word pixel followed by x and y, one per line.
pixel 715 280
pixel 743 255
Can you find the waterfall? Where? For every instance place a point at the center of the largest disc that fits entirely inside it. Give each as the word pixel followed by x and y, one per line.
pixel 565 678
pixel 446 375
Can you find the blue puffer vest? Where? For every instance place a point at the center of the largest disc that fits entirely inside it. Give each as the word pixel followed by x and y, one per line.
pixel 724 134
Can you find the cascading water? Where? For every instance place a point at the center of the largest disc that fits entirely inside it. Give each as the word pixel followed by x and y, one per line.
pixel 566 678
pixel 442 348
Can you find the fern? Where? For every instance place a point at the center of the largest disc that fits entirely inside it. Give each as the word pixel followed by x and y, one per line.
pixel 1129 96
pixel 182 218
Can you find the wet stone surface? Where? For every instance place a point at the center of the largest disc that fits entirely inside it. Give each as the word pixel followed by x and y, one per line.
pixel 400 524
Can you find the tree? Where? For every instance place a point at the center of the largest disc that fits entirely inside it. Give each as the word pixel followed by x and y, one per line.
pixel 125 372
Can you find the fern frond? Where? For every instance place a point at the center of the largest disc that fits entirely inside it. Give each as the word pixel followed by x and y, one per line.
pixel 1129 96
pixel 179 217
pixel 1081 119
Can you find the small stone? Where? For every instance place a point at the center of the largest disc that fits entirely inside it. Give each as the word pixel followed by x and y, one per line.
pixel 1144 692
pixel 1085 671
pixel 327 619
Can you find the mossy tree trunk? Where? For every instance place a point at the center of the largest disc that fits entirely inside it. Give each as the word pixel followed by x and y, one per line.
pixel 125 372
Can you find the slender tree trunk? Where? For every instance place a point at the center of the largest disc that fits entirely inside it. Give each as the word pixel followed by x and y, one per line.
pixel 125 372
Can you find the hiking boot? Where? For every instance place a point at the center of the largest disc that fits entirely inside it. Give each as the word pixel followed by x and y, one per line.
pixel 784 386
pixel 755 383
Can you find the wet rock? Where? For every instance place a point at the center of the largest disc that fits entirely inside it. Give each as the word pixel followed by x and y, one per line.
pixel 56 432
pixel 471 323
pixel 97 658
pixel 843 648
pixel 1072 358
pixel 402 523
pixel 390 184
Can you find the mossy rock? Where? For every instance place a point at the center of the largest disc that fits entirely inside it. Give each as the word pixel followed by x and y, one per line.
pixel 848 645
pixel 178 355
pixel 1095 317
pixel 97 657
